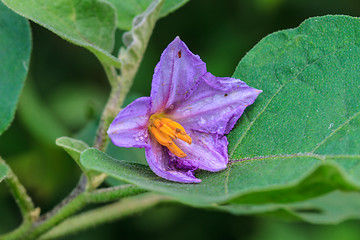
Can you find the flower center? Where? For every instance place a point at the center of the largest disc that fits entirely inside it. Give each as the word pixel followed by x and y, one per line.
pixel 165 130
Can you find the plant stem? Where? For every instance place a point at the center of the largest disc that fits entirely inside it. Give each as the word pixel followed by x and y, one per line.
pixel 112 107
pixel 18 233
pixel 131 57
pixel 106 214
pixel 113 193
pixel 23 200
pixel 111 75
pixel 76 201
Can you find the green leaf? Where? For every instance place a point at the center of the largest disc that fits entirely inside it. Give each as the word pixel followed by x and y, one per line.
pixel 73 147
pixel 311 85
pixel 213 188
pixel 15 48
pixel 300 138
pixel 128 10
pixel 310 105
pixel 4 171
pixel 87 23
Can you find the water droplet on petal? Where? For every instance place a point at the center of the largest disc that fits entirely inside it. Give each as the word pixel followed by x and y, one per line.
pixel 202 121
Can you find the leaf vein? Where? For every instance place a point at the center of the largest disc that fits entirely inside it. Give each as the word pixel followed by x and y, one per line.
pixel 335 131
pixel 276 93
pixel 226 187
pixel 253 121
pixel 323 158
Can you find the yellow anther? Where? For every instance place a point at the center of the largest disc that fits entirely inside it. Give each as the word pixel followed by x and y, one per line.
pixel 162 138
pixel 165 130
pixel 174 125
pixel 176 150
pixel 166 141
pixel 185 138
pixel 178 130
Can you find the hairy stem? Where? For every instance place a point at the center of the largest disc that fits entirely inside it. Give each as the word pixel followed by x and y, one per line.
pixel 112 107
pixel 106 214
pixel 23 200
pixel 18 233
pixel 136 42
pixel 62 206
pixel 25 203
pixel 76 201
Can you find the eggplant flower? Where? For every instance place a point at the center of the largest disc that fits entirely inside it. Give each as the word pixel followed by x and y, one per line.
pixel 182 125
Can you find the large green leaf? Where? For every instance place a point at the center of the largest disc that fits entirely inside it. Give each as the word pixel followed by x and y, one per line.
pixel 310 106
pixel 128 10
pixel 299 140
pixel 213 189
pixel 311 82
pixel 4 171
pixel 87 23
pixel 15 48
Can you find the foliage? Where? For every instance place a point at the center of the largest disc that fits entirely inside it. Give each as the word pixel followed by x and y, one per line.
pixel 294 154
pixel 15 47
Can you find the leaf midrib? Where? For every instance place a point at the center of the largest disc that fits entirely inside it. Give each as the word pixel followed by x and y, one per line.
pixel 322 157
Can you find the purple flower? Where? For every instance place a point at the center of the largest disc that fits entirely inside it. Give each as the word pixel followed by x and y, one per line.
pixel 183 122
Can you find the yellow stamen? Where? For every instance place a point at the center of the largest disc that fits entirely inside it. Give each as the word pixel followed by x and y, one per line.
pixel 185 138
pixel 166 141
pixel 162 138
pixel 165 130
pixel 178 130
pixel 176 150
pixel 174 125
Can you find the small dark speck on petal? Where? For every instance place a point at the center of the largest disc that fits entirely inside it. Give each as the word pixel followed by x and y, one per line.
pixel 179 53
pixel 225 95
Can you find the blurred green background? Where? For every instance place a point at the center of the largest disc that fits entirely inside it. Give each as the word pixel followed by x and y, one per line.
pixel 66 90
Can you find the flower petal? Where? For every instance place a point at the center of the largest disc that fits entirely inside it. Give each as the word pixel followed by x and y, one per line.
pixel 162 164
pixel 129 128
pixel 207 151
pixel 175 75
pixel 215 105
